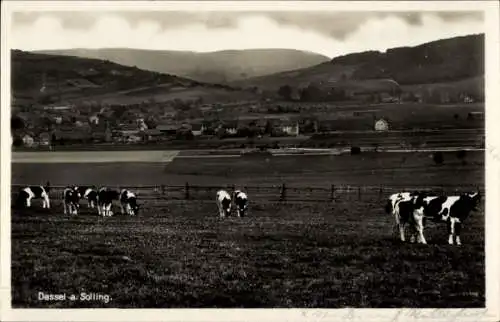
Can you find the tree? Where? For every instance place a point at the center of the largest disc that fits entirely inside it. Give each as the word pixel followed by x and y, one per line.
pixel 285 91
pixel 269 127
pixel 17 141
pixel 16 123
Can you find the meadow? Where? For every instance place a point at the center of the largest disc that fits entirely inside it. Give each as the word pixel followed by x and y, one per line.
pixel 178 253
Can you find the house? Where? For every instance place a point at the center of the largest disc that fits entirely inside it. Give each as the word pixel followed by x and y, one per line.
pixel 381 125
pixel 197 129
pixel 133 138
pixel 230 127
pixel 44 138
pixel 101 135
pixel 152 135
pixel 290 128
pixel 28 140
pixel 168 129
pixel 141 124
pixel 94 120
pixel 128 129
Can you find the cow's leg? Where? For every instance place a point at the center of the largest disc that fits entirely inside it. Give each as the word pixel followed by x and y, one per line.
pixel 451 230
pixel 420 230
pixel 99 209
pixel 458 229
pixel 28 202
pixel 64 206
pixel 122 208
pixel 47 201
pixel 401 226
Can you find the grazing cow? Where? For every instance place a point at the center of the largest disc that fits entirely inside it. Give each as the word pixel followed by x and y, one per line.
pixel 105 199
pixel 34 192
pixel 453 210
pixel 408 208
pixel 71 199
pixel 128 202
pixel 223 203
pixel 241 201
pixel 88 193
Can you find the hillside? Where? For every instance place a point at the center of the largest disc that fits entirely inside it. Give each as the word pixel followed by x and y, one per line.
pixel 446 60
pixel 74 79
pixel 212 67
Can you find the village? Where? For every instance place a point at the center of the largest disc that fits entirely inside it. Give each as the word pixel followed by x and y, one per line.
pixel 151 122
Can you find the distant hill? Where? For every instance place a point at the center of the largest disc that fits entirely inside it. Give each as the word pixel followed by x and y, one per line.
pixel 441 61
pixel 212 67
pixel 74 79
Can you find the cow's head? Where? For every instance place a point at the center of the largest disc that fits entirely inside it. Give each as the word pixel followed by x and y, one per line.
pixel 475 199
pixel 242 204
pixel 388 206
pixel 134 206
pixel 226 205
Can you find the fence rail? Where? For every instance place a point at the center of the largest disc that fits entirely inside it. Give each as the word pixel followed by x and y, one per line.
pixel 273 193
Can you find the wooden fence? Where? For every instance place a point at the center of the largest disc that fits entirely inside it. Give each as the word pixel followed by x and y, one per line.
pixel 275 193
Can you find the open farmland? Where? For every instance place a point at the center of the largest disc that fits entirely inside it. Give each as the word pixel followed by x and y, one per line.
pixel 182 255
pixel 371 168
pixel 177 253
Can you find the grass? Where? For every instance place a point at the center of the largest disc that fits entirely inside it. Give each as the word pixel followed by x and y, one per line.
pixel 182 255
pixel 179 254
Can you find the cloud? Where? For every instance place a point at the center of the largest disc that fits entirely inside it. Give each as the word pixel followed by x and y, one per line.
pixel 328 33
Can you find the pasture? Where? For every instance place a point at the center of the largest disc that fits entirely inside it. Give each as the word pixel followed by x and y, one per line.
pixel 177 253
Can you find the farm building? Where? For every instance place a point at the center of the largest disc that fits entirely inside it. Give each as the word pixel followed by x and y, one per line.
pixel 153 135
pixel 381 125
pixel 169 129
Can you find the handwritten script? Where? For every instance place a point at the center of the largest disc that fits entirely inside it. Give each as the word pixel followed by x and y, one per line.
pixel 401 315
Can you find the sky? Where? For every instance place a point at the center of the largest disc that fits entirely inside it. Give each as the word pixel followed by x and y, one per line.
pixel 329 33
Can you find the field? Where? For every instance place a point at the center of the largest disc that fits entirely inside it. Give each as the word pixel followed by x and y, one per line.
pixel 311 254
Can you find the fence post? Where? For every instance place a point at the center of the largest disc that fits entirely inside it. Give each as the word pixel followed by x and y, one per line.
pixel 187 191
pixel 379 193
pixel 283 192
pixel 359 192
pixel 162 189
pixel 332 193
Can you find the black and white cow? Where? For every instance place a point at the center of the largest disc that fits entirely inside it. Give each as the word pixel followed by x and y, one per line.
pixel 27 194
pixel 88 193
pixel 241 202
pixel 128 202
pixel 408 210
pixel 71 200
pixel 105 199
pixel 453 210
pixel 223 200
